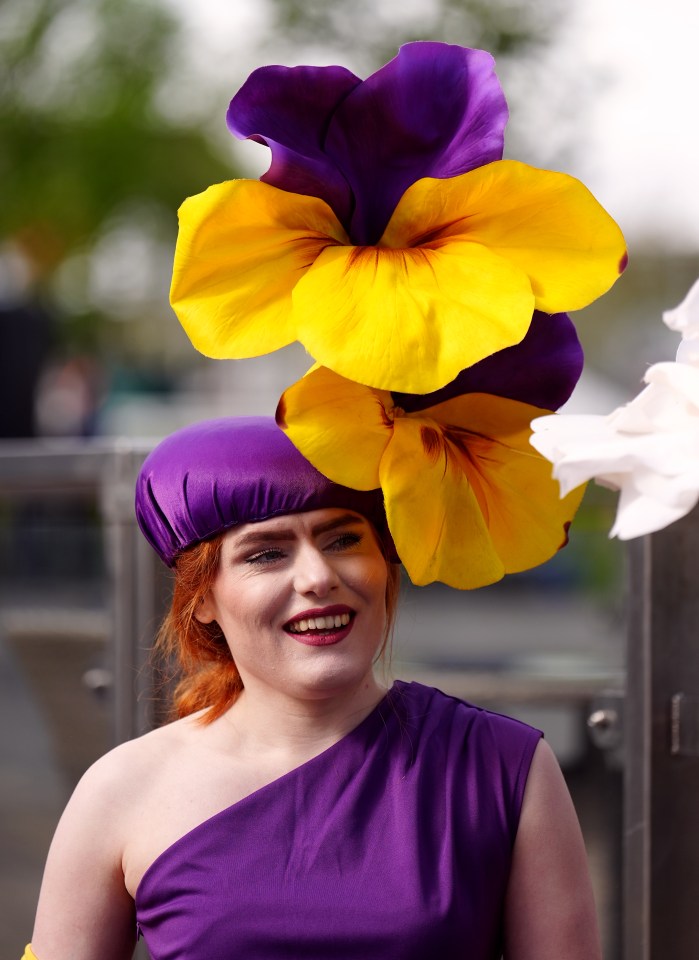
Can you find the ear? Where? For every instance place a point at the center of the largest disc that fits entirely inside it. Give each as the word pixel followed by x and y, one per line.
pixel 206 609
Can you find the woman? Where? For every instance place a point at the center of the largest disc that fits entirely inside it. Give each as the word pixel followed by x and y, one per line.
pixel 298 808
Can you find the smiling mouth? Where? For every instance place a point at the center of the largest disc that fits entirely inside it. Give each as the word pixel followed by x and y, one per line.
pixel 319 625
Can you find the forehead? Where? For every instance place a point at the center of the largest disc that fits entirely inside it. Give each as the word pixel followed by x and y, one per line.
pixel 290 525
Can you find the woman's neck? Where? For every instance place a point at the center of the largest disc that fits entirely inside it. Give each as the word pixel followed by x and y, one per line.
pixel 271 722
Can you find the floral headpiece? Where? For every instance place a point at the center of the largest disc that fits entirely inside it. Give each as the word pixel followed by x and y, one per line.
pixel 426 276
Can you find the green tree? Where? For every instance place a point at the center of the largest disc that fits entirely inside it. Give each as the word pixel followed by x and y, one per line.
pixel 83 144
pixel 95 159
pixel 372 30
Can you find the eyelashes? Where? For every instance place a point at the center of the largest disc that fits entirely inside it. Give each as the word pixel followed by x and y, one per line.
pixel 270 555
pixel 345 541
pixel 265 556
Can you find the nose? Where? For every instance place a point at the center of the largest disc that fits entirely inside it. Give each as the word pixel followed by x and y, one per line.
pixel 314 572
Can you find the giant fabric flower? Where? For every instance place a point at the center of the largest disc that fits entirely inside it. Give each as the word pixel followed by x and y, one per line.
pixel 467 500
pixel 648 449
pixel 388 238
pixel 456 276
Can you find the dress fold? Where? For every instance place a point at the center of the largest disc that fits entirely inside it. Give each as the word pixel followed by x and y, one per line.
pixel 394 843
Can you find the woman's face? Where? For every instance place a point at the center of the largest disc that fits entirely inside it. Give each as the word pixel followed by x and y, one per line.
pixel 301 600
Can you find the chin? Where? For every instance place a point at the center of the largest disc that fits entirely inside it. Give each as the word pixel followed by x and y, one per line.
pixel 337 680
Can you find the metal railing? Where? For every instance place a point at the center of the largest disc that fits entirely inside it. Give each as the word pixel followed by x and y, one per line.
pixel 107 470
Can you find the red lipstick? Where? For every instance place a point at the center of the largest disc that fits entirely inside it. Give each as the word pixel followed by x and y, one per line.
pixel 321 626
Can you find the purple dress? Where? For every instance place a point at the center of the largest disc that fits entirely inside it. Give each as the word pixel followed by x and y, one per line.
pixel 393 844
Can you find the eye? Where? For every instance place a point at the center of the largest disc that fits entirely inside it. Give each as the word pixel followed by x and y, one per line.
pixel 345 541
pixel 269 555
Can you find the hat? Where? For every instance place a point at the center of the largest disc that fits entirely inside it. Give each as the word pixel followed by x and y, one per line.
pixel 429 279
pixel 217 474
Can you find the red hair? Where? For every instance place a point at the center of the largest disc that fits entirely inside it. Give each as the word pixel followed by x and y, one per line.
pixel 205 673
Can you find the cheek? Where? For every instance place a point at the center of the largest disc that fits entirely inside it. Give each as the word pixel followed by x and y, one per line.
pixel 251 604
pixel 374 583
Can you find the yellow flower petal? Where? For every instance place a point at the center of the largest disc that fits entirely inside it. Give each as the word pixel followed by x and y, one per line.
pixel 547 224
pixel 433 514
pixel 410 320
pixel 467 498
pixel 526 518
pixel 455 278
pixel 482 503
pixel 242 246
pixel 340 426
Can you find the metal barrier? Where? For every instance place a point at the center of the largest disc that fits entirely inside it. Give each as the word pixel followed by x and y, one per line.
pixel 107 469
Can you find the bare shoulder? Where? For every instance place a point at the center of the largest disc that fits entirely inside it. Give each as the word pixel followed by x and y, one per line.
pixel 128 768
pixel 85 910
pixel 120 777
pixel 132 787
pixel 550 911
pixel 545 784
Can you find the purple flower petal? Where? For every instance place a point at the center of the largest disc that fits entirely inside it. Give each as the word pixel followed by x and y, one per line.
pixel 436 110
pixel 288 109
pixel 541 370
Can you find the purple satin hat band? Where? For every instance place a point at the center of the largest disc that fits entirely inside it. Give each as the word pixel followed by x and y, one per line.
pixel 213 475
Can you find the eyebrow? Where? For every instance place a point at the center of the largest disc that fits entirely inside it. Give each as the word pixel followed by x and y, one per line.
pixel 287 533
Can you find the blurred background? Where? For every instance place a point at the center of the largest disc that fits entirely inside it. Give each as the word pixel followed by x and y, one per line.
pixel 111 113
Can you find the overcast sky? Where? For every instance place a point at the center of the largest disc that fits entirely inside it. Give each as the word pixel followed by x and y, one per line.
pixel 640 148
pixel 632 135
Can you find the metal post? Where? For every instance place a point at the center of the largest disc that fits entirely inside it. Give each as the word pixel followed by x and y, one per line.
pixel 662 746
pixel 137 597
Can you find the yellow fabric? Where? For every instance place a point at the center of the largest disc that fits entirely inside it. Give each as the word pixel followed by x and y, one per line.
pixel 410 319
pixel 242 247
pixel 544 223
pixel 434 517
pixel 339 425
pixel 467 497
pixel 28 953
pixel 456 276
pixel 484 455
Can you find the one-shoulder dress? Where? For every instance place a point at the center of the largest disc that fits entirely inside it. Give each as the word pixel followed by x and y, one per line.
pixel 393 844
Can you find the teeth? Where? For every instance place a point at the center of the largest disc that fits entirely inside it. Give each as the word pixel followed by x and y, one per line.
pixel 319 623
